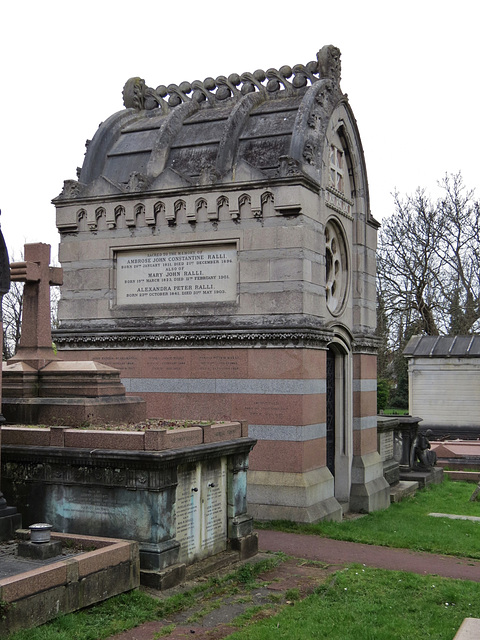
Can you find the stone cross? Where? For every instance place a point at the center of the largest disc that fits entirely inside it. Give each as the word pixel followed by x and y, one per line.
pixel 35 348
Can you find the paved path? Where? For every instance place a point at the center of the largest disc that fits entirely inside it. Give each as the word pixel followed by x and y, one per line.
pixel 332 552
pixel 338 552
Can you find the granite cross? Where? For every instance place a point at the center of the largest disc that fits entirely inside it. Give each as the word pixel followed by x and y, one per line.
pixel 35 348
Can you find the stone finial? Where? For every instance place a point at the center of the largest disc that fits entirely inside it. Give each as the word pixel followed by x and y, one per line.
pixel 136 95
pixel 329 65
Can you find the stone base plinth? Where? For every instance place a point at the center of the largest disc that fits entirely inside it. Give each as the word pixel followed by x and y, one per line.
pixel 73 411
pixel 391 471
pixel 424 478
pixel 403 489
pixel 370 491
pixel 61 379
pixel 165 579
pixel 67 393
pixel 42 551
pixel 307 497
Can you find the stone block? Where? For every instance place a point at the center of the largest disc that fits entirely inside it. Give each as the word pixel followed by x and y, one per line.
pixel 240 526
pixel 27 549
pixel 57 436
pixel 74 411
pixel 254 271
pixel 219 432
pixel 244 425
pixel 159 439
pixel 424 478
pixel 286 269
pixel 93 439
pixel 247 546
pixel 29 437
pixel 157 556
pixel 166 579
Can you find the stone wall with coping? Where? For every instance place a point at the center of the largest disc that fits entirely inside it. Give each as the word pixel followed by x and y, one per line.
pixel 148 440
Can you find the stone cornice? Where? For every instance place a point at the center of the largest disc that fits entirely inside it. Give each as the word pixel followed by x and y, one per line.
pixel 173 339
pixel 365 343
pixel 288 177
pixel 144 470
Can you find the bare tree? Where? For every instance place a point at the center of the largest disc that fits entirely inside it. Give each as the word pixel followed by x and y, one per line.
pixel 12 319
pixel 428 263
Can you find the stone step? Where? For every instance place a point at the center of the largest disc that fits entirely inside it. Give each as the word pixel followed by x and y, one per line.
pixel 469 629
pixel 403 489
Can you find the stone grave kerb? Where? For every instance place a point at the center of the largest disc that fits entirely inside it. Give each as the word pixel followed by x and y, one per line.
pixel 35 348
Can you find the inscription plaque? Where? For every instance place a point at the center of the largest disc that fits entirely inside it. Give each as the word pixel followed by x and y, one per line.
pixel 386 446
pixel 164 276
pixel 187 511
pixel 201 510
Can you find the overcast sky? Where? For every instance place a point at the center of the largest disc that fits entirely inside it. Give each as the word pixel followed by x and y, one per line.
pixel 410 70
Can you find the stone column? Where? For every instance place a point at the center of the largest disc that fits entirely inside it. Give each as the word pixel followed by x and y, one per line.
pixel 240 524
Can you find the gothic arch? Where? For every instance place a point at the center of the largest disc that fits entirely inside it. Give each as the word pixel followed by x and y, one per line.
pixel 81 220
pixel 223 207
pixel 139 212
pixel 158 210
pixel 120 217
pixel 100 219
pixel 339 411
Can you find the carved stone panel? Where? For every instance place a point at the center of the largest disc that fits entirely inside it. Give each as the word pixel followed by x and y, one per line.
pixel 201 509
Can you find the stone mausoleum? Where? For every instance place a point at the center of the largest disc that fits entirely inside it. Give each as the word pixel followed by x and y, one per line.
pixel 219 250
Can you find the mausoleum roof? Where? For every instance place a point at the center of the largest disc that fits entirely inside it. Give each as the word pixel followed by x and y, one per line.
pixel 236 129
pixel 443 347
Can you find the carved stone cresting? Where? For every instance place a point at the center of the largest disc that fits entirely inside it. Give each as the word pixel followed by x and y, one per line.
pixel 136 94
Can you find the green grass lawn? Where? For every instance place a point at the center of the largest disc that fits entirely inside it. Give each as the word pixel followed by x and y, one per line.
pixel 407 524
pixel 358 602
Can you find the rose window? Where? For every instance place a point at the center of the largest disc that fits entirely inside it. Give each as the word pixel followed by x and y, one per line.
pixel 336 268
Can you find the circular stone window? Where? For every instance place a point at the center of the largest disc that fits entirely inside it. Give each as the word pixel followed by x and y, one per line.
pixel 336 268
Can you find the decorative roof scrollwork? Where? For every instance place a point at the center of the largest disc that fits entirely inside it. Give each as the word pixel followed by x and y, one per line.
pixel 136 94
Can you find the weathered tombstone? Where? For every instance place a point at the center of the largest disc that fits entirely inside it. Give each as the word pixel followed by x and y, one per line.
pixel 219 249
pixel 10 520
